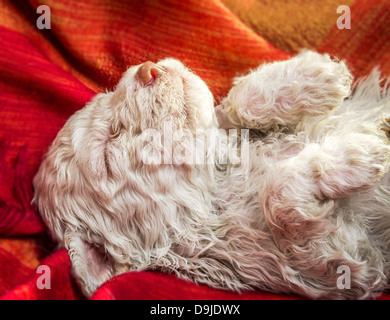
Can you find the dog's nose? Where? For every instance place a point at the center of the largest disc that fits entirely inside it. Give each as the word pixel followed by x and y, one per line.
pixel 148 72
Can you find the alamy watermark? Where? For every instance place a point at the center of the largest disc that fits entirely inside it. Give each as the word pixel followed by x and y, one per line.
pixel 204 146
pixel 44 280
pixel 344 21
pixel 344 280
pixel 44 20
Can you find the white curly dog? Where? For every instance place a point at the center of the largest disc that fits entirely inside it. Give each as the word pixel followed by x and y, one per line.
pixel 311 197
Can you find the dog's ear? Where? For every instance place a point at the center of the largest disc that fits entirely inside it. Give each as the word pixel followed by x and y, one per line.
pixel 91 264
pixel 98 151
pixel 118 107
pixel 125 115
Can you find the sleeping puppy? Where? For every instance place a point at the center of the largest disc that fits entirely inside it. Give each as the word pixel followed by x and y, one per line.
pixel 310 195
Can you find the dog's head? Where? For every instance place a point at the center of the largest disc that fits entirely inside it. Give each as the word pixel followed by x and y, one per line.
pixel 151 93
pixel 94 178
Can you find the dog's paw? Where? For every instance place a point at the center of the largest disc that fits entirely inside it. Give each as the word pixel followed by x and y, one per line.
pixel 281 93
pixel 351 164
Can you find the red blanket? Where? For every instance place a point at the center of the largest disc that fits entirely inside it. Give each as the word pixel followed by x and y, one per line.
pixel 46 75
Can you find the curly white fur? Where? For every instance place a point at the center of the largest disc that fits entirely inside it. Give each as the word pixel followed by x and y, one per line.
pixel 316 194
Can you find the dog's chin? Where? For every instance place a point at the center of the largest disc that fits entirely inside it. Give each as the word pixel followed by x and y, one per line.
pixel 194 100
pixel 176 94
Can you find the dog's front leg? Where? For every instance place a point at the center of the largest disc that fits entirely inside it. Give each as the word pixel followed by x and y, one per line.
pixel 282 93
